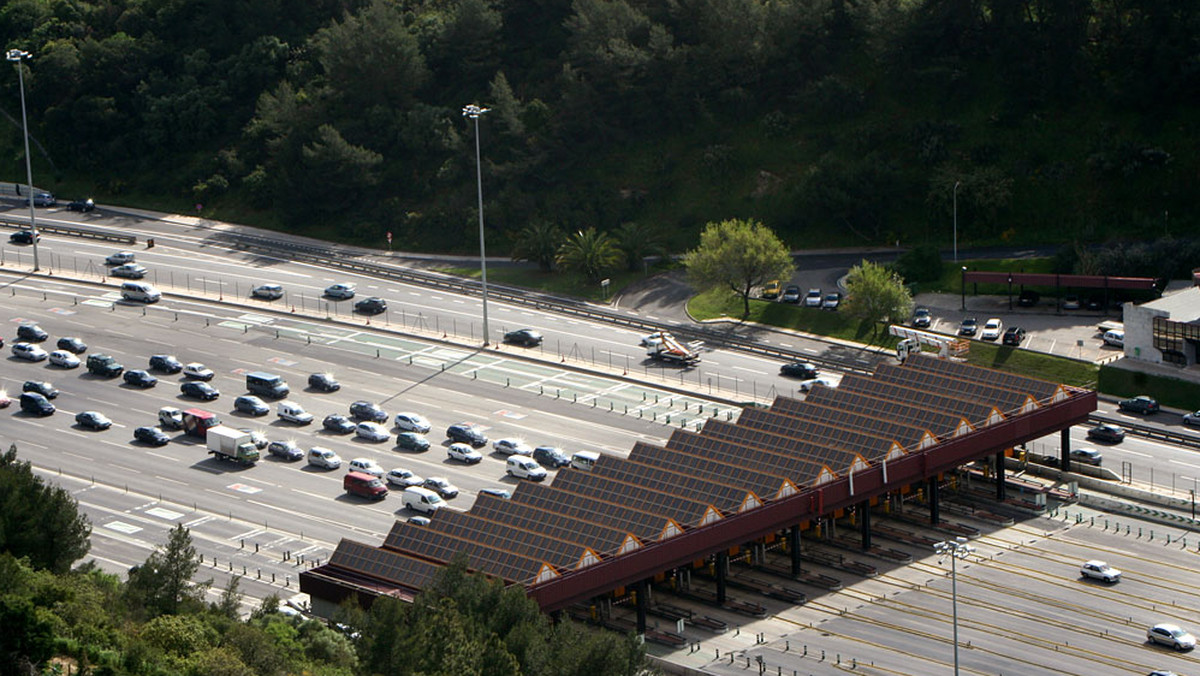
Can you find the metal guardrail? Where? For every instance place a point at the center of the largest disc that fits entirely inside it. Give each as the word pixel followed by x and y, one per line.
pixel 68 231
pixel 1156 433
pixel 335 258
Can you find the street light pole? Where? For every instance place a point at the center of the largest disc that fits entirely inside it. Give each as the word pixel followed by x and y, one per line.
pixel 962 283
pixel 473 111
pixel 956 549
pixel 956 184
pixel 16 56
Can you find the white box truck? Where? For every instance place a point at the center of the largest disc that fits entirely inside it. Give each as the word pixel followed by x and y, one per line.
pixel 227 443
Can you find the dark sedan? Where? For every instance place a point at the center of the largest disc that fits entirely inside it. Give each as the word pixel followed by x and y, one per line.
pixel 72 344
pixel 525 337
pixel 799 369
pixel 199 389
pixel 139 378
pixel 339 424
pixel 151 435
pixel 467 433
pixel 84 205
pixel 1110 433
pixel 1141 404
pixel 166 363
pixel 32 333
pixel 92 420
pixel 41 387
pixel 324 382
pixel 371 306
pixel 23 237
pixel 365 410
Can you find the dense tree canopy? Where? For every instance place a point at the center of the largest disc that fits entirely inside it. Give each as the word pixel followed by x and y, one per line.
pixel 738 256
pixel 39 521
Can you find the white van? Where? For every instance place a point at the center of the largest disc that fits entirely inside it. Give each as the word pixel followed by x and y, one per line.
pixel 422 500
pixel 1115 337
pixel 524 467
pixel 323 457
pixel 141 292
pixel 293 413
pixel 584 459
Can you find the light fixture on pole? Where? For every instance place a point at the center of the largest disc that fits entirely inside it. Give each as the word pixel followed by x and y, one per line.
pixel 473 111
pixel 956 184
pixel 16 56
pixel 962 283
pixel 955 549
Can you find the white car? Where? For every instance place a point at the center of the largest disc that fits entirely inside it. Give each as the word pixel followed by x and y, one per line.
pixel 120 258
pixel 464 453
pixel 413 422
pixel 512 447
pixel 403 478
pixel 807 385
pixel 267 292
pixel 813 298
pixel 1099 570
pixel 366 466
pixel 198 371
pixel 29 351
pixel 992 329
pixel 1172 635
pixel 64 359
pixel 371 431
pixel 341 291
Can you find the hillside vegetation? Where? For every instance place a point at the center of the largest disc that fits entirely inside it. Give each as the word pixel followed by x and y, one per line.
pixel 834 122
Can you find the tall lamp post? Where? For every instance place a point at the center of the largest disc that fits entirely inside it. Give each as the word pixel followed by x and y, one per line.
pixel 956 184
pixel 962 283
pixel 956 549
pixel 16 56
pixel 473 111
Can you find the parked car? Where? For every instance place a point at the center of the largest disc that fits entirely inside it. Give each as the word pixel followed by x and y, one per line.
pixel 412 422
pixel 139 378
pixel 403 478
pixel 337 423
pixel 199 390
pixel 1028 298
pixel 31 333
pixel 267 292
pixel 550 456
pixel 991 329
pixel 151 435
pixel 1139 404
pixel 813 298
pixel 120 258
pixel 372 305
pixel 83 205
pixel 64 359
pixel 1099 570
pixel 72 344
pixel 771 289
pixel 324 382
pixel 1070 302
pixel 1171 635
pixel 129 271
pixel 92 420
pixel 198 371
pixel 341 291
pixel 512 447
pixel 248 403
pixel 288 450
pixel 166 363
pixel 1090 456
pixel 28 351
pixel 502 493
pixel 365 410
pixel 791 294
pixel 411 441
pixel 799 369
pixel 464 453
pixel 371 431
pixel 23 237
pixel 968 326
pixel 441 486
pixel 467 433
pixel 922 318
pixel 41 387
pixel 1106 432
pixel 832 301
pixel 1013 335
pixel 524 337
pixel 1114 337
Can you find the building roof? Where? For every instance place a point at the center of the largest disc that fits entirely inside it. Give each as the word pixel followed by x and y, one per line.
pixel 1181 306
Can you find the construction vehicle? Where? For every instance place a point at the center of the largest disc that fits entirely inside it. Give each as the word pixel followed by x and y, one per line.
pixel 227 443
pixel 197 422
pixel 912 340
pixel 671 351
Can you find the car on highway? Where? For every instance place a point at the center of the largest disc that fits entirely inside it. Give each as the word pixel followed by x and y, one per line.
pixel 41 387
pixel 252 405
pixel 512 447
pixel 832 301
pixel 1089 456
pixel 968 326
pixel 139 378
pixel 170 418
pixel 285 449
pixel 120 258
pixel 1013 335
pixel 992 329
pixel 468 433
pixel 1099 570
pixel 341 291
pixel 129 271
pixel 791 294
pixel 412 422
pixel 403 478
pixel 653 339
pixel 83 205
pixel 524 337
pixel 550 456
pixel 1192 418
pixel 151 435
pixel 323 382
pixel 799 369
pixel 72 345
pixel 31 333
pixel 813 298
pixel 319 456
pixel 922 318
pixel 28 351
pixel 411 441
pixel 198 371
pixel 808 385
pixel 199 390
pixel 366 466
pixel 64 359
pixel 338 424
pixel 92 420
pixel 371 431
pixel 5 400
pixel 267 292
pixel 165 363
pixel 365 410
pixel 1139 404
pixel 1106 432
pixel 1171 635
pixel 257 438
pixel 23 237
pixel 43 199
pixel 371 305
pixel 464 453
pixel 32 402
pixel 441 486
pixel 771 289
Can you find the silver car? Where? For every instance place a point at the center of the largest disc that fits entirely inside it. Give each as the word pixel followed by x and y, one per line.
pixel 267 292
pixel 1171 635
pixel 28 351
pixel 64 359
pixel 341 291
pixel 371 431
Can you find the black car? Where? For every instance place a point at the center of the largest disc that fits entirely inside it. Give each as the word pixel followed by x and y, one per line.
pixel 139 378
pixel 411 441
pixel 82 205
pixel 551 457
pixel 467 433
pixel 23 237
pixel 72 344
pixel 251 404
pixel 526 337
pixel 92 420
pixel 1109 433
pixel 365 410
pixel 199 389
pixel 1028 298
pixel 166 363
pixel 323 382
pixel 32 402
pixel 799 369
pixel 968 327
pixel 151 435
pixel 31 333
pixel 41 387
pixel 1013 335
pixel 371 306
pixel 288 450
pixel 1141 404
pixel 338 423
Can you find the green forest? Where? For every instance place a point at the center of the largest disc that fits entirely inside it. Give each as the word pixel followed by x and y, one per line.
pixel 833 122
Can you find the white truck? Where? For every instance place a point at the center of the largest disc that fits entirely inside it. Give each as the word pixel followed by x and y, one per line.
pixel 227 443
pixel 290 411
pixel 671 351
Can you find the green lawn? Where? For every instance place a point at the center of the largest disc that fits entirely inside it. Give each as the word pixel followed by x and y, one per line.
pixel 1034 364
pixel 717 304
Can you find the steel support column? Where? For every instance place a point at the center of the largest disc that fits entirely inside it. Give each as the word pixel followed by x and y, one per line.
pixel 1064 436
pixel 864 523
pixel 1000 483
pixel 722 570
pixel 641 592
pixel 794 548
pixel 935 513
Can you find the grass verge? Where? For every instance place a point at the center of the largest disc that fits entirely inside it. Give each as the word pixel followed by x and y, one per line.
pixel 1168 391
pixel 1033 364
pixel 718 304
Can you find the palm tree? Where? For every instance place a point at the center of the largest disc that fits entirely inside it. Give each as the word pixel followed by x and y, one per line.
pixel 589 252
pixel 538 242
pixel 637 241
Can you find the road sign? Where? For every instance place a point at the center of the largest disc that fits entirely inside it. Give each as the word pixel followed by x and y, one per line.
pixel 389 236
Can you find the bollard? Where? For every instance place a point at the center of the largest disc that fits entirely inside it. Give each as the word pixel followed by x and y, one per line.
pixel 258 575
pixel 243 543
pixel 255 547
pixel 272 578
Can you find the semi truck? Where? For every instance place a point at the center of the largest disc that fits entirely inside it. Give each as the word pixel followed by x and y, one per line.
pixel 671 351
pixel 197 422
pixel 227 443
